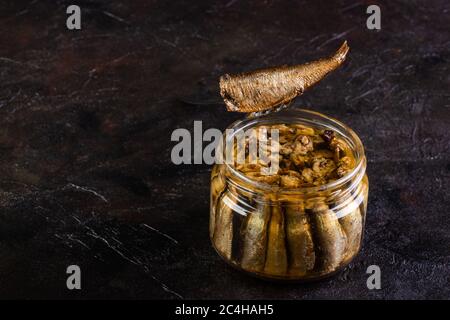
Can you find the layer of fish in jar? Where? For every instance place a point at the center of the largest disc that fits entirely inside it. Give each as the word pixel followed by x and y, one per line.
pixel 218 186
pixel 352 216
pixel 223 227
pixel 329 237
pixel 351 220
pixel 299 238
pixel 255 237
pixel 283 239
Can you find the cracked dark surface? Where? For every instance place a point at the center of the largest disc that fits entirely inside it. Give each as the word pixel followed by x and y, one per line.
pixel 86 119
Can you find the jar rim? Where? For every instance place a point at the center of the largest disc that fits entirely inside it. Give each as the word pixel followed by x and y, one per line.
pixel 307 116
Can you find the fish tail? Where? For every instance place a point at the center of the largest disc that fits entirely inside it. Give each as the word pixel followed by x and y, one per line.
pixel 341 53
pixel 312 73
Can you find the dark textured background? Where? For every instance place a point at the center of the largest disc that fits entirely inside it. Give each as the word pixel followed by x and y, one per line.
pixel 86 118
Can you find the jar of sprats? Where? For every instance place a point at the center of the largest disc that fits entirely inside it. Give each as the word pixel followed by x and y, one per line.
pixel 302 221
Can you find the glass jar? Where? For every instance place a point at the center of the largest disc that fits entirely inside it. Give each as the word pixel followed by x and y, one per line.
pixel 289 234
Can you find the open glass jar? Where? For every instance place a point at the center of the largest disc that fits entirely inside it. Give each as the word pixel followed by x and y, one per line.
pixel 302 233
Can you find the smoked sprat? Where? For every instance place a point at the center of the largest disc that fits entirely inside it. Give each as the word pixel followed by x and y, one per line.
pixel 269 88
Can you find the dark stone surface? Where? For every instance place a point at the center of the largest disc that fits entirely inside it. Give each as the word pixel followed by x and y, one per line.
pixel 86 118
